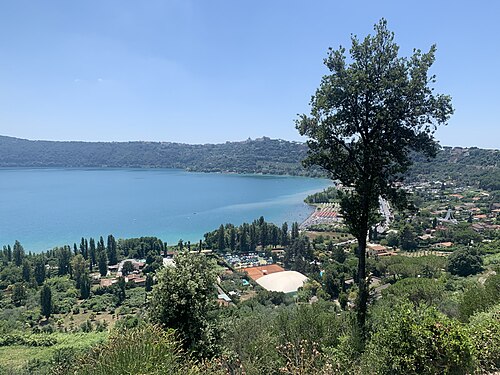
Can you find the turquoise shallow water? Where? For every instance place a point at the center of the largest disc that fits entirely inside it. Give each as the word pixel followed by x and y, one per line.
pixel 43 208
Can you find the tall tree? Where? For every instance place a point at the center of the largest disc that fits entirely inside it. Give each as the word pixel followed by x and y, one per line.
pixel 46 300
pixel 295 231
pixel 112 255
pixel 79 266
pixel 26 270
pixel 232 238
pixel 39 270
pixel 253 236
pixel 119 290
pixel 102 261
pixel 9 253
pixel 18 253
pixel 64 260
pixel 85 286
pixel 92 253
pixel 221 240
pixel 366 118
pixel 284 234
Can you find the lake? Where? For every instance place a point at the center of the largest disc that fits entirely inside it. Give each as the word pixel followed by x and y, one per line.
pixel 43 208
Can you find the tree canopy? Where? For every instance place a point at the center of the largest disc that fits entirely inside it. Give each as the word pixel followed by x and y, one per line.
pixel 183 299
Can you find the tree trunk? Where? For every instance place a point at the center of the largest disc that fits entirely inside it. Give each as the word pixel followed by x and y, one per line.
pixel 362 301
pixel 362 285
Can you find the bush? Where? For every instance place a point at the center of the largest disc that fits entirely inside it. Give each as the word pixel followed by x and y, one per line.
pixel 485 333
pixel 418 341
pixel 27 340
pixel 465 262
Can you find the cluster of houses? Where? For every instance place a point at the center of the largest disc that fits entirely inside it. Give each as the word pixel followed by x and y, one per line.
pixel 114 272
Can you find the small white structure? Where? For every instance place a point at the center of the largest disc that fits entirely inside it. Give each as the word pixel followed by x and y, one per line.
pixel 286 281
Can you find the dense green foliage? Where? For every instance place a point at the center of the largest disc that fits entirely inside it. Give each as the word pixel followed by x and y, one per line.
pixel 465 262
pixel 421 341
pixel 183 300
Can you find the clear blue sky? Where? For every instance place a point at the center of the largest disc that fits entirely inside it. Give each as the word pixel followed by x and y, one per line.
pixel 210 71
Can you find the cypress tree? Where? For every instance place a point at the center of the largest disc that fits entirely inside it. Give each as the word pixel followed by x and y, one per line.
pixel 46 301
pixel 84 286
pixel 295 230
pixel 92 253
pixel 112 255
pixel 102 261
pixel 39 270
pixel 284 234
pixel 26 270
pixel 18 253
pixel 221 241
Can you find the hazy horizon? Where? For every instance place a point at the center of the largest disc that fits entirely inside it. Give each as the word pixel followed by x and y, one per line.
pixel 202 143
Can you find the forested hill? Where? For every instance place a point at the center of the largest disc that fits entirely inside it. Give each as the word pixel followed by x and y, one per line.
pixel 263 155
pixel 468 166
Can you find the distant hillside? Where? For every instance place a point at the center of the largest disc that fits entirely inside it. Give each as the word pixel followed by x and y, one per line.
pixel 473 166
pixel 263 155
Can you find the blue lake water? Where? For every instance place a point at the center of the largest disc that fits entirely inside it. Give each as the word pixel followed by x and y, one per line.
pixel 43 208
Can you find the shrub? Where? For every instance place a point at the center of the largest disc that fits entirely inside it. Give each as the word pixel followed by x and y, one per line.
pixel 485 333
pixel 144 350
pixel 418 341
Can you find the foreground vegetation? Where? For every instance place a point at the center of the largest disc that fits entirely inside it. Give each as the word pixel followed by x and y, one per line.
pixel 424 310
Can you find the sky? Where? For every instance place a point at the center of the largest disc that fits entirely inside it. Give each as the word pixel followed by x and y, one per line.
pixel 214 71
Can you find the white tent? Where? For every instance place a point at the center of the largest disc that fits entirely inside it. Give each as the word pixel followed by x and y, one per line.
pixel 286 281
